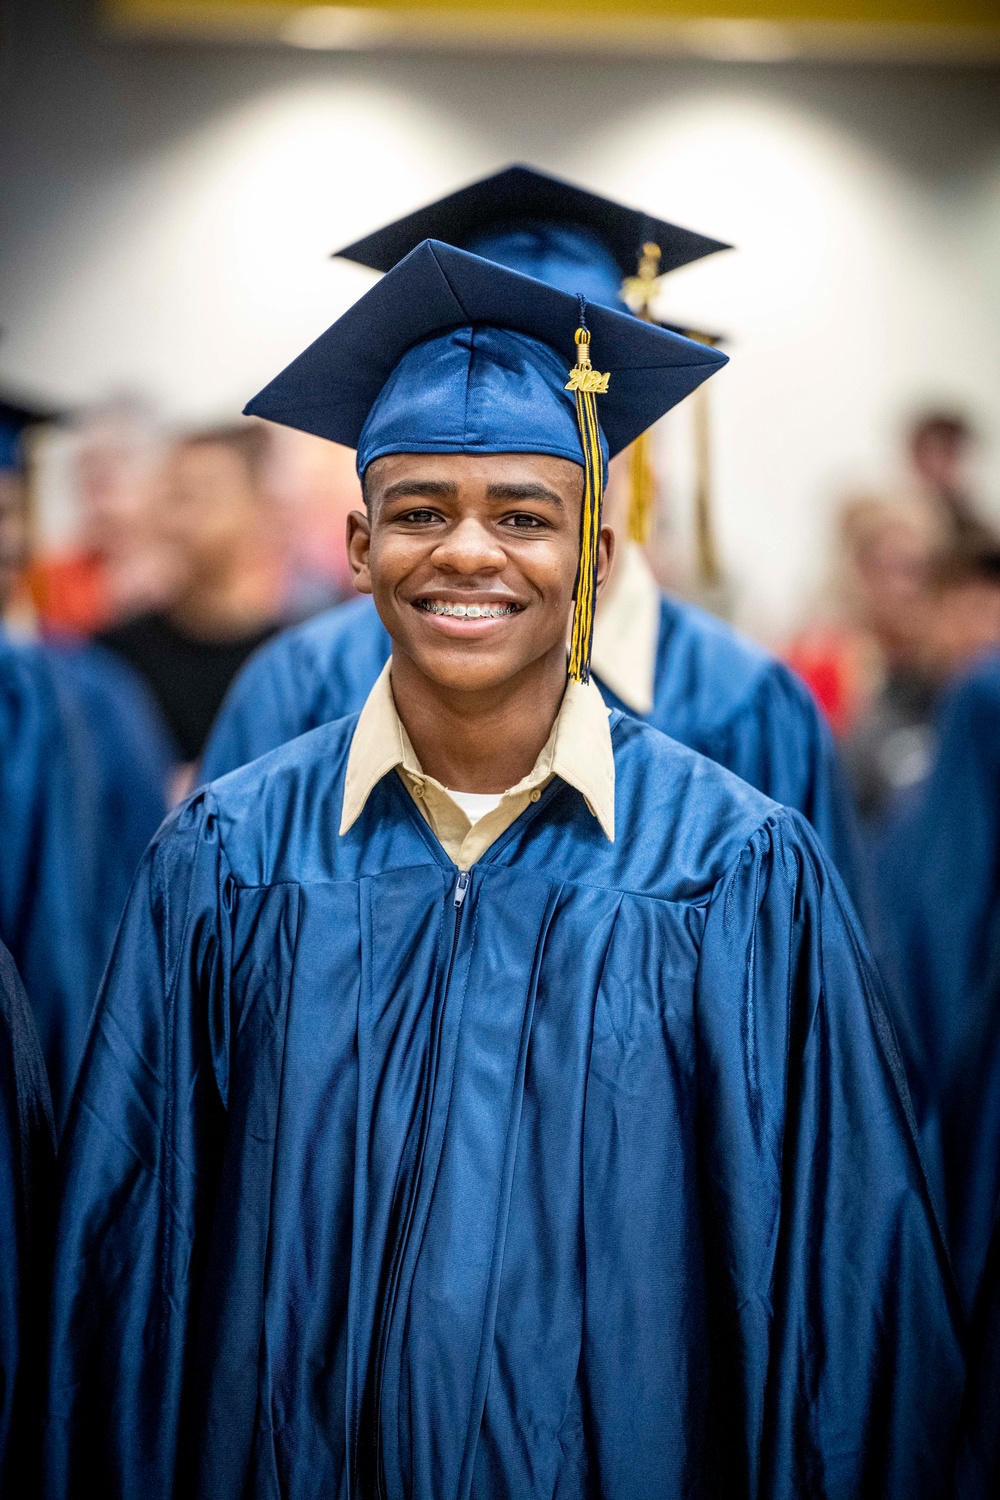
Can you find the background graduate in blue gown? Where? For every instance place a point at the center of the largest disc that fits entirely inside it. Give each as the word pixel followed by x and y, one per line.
pixel 939 881
pixel 563 1154
pixel 84 762
pixel 27 1182
pixel 676 666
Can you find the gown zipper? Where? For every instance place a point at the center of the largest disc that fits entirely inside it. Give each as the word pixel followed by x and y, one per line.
pixel 402 1240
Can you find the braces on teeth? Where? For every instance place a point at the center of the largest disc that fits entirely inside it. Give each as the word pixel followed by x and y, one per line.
pixel 470 611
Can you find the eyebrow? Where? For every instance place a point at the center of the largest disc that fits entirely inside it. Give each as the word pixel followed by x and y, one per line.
pixel 425 489
pixel 441 489
pixel 523 492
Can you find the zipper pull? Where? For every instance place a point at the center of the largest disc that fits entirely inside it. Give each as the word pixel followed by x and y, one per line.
pixel 461 887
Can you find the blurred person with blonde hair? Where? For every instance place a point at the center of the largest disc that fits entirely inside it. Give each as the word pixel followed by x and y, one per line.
pixel 888 550
pixel 218 520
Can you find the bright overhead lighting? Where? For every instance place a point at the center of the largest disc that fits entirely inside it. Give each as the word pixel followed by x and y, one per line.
pixel 725 40
pixel 335 27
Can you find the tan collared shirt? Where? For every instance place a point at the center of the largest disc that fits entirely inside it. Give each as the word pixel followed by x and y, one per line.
pixel 627 630
pixel 578 751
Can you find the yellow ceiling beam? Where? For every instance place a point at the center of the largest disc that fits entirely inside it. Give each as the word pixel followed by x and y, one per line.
pixel 932 29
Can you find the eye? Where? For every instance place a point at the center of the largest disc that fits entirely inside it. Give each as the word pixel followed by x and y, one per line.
pixel 523 520
pixel 419 517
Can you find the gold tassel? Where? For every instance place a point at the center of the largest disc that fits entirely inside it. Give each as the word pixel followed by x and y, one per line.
pixel 642 497
pixel 587 383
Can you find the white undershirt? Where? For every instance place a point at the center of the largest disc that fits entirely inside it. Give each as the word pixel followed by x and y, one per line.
pixel 476 805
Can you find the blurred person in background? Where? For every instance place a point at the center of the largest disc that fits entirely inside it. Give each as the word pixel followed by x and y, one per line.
pixel 655 655
pixel 940 447
pixel 219 521
pixel 119 566
pixel 889 549
pixel 314 486
pixel 84 763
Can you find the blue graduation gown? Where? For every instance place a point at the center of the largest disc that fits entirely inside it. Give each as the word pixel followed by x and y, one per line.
pixel 82 790
pixel 595 1180
pixel 27 1181
pixel 938 867
pixel 715 691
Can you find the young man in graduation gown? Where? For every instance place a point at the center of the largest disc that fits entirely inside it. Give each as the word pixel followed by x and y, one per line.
pixel 559 1152
pixel 655 656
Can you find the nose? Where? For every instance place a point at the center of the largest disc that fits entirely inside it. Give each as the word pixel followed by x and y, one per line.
pixel 470 548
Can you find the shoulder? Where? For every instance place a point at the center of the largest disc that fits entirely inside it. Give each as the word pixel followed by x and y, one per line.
pixel 682 820
pixel 979 688
pixel 274 814
pixel 347 627
pixel 715 674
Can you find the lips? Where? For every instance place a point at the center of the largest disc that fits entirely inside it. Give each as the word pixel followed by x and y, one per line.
pixel 466 611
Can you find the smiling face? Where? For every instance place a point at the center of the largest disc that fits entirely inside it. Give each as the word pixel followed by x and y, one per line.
pixel 472 561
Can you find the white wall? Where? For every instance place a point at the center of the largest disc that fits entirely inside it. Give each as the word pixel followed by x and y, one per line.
pixel 169 211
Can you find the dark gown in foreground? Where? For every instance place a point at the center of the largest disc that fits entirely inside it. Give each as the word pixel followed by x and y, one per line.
pixel 598 1181
pixel 27 1181
pixel 714 691
pixel 82 789
pixel 939 880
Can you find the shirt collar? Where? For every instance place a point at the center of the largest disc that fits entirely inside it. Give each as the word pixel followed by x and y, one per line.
pixel 627 631
pixel 578 751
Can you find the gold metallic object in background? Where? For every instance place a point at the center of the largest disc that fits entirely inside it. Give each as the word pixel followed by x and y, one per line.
pixel 640 292
pixel 708 571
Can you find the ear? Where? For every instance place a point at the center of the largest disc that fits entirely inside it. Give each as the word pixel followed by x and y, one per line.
pixel 605 556
pixel 359 542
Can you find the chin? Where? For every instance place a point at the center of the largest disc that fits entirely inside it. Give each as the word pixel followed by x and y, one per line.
pixel 466 672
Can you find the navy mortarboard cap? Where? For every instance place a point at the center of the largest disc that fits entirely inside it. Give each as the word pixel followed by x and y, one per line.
pixel 522 198
pixel 450 353
pixel 15 416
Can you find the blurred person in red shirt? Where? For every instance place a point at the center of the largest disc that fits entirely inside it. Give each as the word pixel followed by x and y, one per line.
pixel 120 565
pixel 219 521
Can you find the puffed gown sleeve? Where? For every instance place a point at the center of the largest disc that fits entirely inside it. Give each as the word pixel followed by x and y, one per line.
pixel 835 1312
pixel 27 1180
pixel 778 741
pixel 138 1166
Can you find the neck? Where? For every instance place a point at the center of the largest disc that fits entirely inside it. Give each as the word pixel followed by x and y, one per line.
pixel 237 602
pixel 479 740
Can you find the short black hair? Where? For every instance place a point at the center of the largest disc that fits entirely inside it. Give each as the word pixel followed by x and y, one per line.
pixel 952 426
pixel 974 561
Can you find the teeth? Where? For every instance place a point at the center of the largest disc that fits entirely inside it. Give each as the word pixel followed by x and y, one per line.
pixel 469 611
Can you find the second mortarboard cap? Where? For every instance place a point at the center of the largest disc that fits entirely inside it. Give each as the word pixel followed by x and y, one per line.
pixel 450 353
pixel 522 198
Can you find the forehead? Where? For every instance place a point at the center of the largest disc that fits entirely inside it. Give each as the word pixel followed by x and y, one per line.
pixel 472 473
